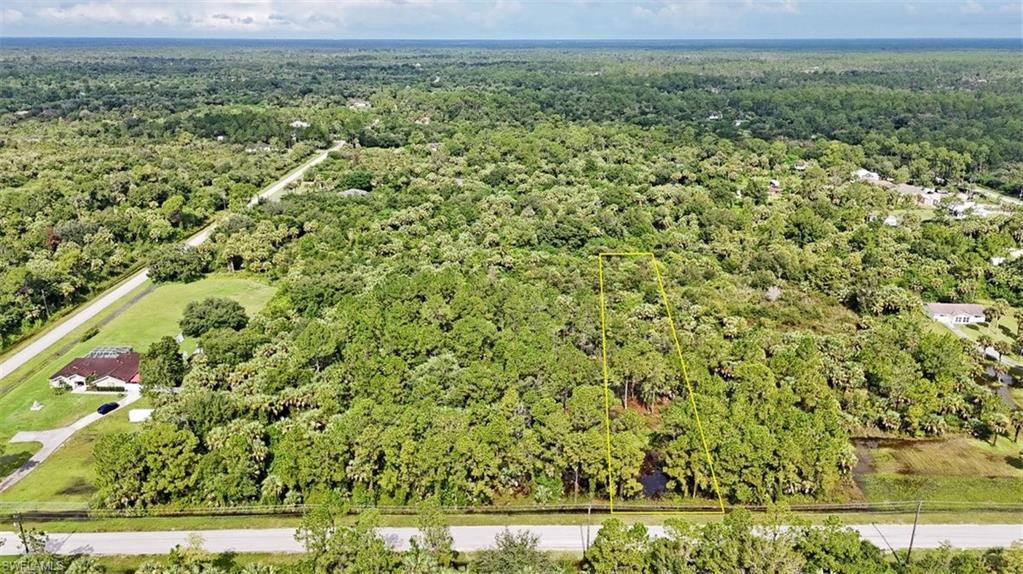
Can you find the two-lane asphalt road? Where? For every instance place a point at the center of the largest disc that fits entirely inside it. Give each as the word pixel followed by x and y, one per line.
pixel 93 308
pixel 470 538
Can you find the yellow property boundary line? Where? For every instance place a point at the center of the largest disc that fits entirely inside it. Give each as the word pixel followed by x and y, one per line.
pixel 682 365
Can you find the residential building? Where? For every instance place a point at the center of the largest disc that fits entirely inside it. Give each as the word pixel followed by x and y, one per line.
pixel 865 175
pixel 956 313
pixel 101 367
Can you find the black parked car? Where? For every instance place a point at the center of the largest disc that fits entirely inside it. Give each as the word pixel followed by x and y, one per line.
pixel 106 408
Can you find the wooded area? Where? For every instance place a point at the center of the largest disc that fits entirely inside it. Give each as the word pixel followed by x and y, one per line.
pixel 439 335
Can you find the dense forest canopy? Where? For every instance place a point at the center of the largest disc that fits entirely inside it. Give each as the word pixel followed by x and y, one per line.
pixel 437 334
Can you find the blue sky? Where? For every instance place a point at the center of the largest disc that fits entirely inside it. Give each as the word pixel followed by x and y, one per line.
pixel 515 19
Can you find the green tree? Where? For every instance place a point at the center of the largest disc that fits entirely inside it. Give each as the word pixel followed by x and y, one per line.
pixel 434 535
pixel 335 546
pixel 212 313
pixel 161 365
pixel 618 549
pixel 997 424
pixel 1016 421
pixel 839 550
pixel 358 179
pixel 513 553
pixel 178 263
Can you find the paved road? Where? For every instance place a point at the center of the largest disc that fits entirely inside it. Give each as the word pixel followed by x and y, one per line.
pixel 93 308
pixel 52 439
pixel 469 538
pixel 995 195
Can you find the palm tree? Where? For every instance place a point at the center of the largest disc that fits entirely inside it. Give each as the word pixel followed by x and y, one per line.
pixel 985 341
pixel 997 423
pixel 1016 420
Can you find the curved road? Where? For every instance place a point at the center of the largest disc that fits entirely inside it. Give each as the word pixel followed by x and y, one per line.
pixel 93 308
pixel 470 538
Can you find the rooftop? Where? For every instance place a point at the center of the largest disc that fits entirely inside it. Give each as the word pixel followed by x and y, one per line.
pixel 954 309
pixel 118 362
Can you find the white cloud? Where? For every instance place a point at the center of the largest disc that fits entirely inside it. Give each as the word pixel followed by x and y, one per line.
pixel 708 16
pixel 10 16
pixel 497 13
pixel 499 18
pixel 786 6
pixel 108 13
pixel 971 7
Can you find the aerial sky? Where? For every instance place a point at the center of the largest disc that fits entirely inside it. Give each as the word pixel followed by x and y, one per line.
pixel 515 19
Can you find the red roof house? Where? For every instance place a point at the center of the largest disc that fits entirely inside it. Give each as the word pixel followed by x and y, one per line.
pixel 102 367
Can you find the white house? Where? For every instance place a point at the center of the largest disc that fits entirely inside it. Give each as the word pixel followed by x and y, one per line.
pixel 299 124
pixel 964 208
pixel 891 221
pixel 865 175
pixel 956 313
pixel 1013 255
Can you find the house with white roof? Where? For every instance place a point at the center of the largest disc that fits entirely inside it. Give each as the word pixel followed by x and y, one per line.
pixel 866 175
pixel 955 313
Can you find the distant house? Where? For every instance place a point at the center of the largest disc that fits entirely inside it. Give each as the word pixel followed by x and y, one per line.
pixel 923 196
pixel 799 166
pixel 964 208
pixel 891 221
pixel 775 186
pixel 353 192
pixel 1013 255
pixel 101 367
pixel 299 124
pixel 956 313
pixel 865 175
pixel 714 116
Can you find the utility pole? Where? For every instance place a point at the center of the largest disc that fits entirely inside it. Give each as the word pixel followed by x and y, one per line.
pixel 21 532
pixel 912 536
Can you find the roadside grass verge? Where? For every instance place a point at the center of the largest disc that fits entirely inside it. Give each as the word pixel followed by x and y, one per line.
pixel 195 523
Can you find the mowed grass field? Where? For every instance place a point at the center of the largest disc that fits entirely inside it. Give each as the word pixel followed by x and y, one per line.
pixel 955 470
pixel 1001 331
pixel 154 316
pixel 68 476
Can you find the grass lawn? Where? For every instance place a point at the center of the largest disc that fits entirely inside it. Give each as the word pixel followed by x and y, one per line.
pixel 1001 331
pixel 192 523
pixel 154 316
pixel 958 469
pixel 68 475
pixel 1017 395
